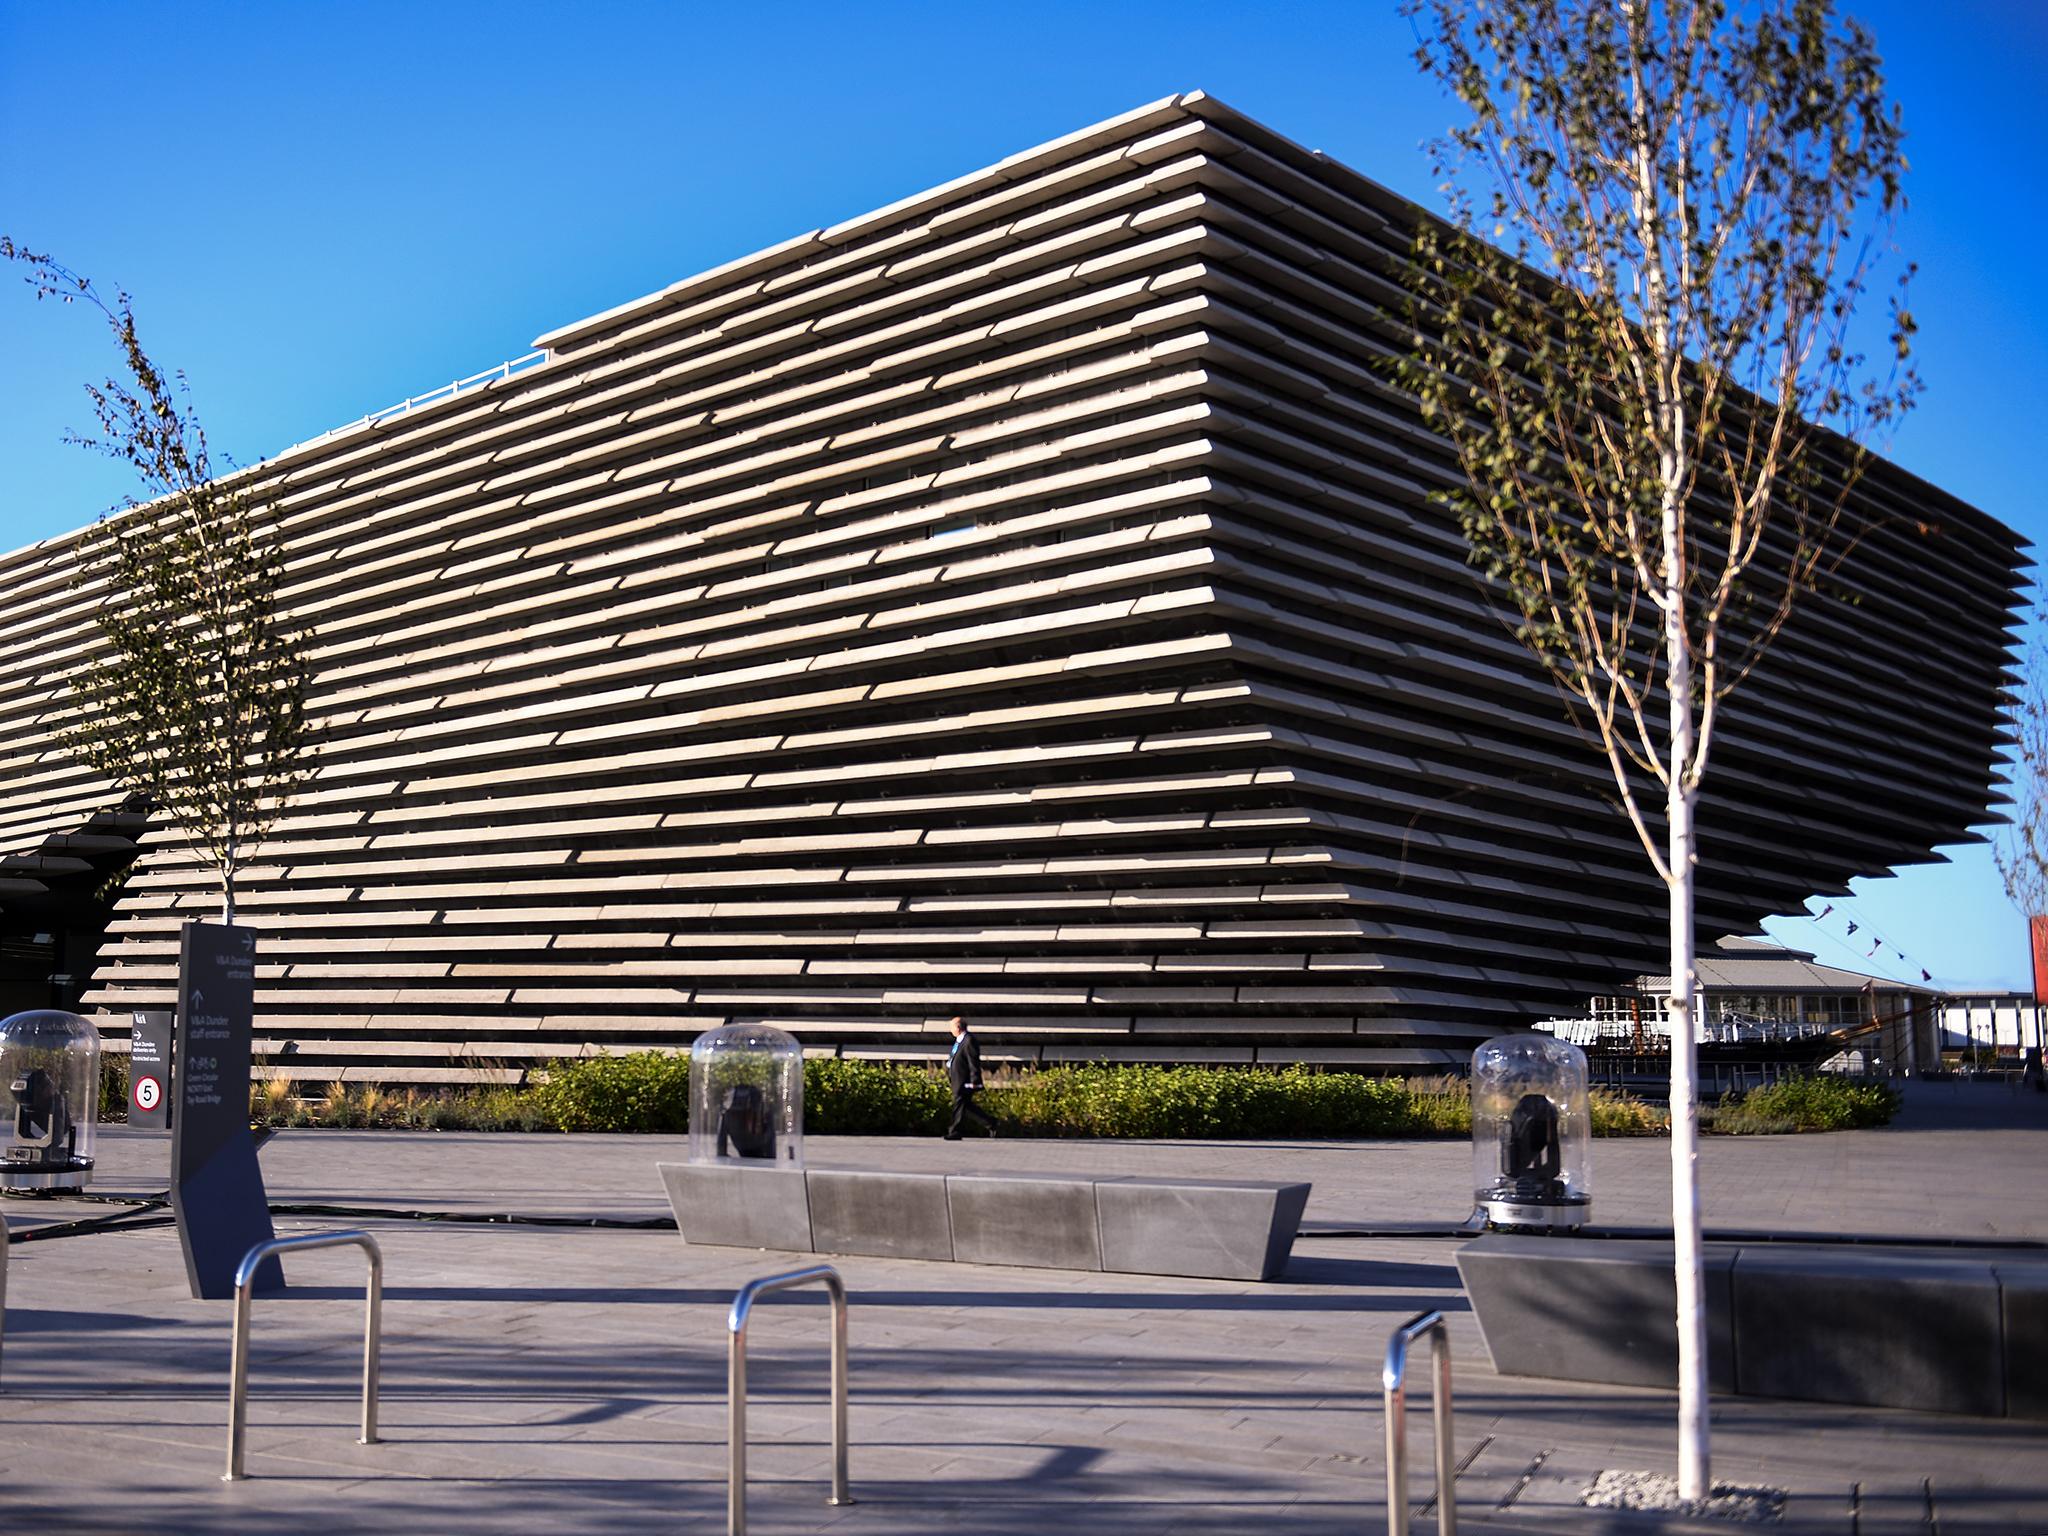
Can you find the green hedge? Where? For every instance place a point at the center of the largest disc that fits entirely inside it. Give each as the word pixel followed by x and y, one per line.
pixel 278 1102
pixel 1822 1102
pixel 646 1091
pixel 113 1089
pixel 649 1091
pixel 1221 1102
pixel 872 1098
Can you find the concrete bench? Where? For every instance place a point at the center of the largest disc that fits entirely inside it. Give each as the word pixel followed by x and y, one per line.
pixel 1222 1229
pixel 1938 1330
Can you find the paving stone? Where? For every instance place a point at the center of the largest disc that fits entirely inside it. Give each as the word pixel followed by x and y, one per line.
pixel 572 1380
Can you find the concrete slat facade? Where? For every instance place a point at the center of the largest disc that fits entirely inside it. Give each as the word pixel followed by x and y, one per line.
pixel 1021 601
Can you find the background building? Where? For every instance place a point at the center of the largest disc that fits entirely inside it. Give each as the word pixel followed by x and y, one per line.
pixel 1024 600
pixel 2001 1025
pixel 1765 1005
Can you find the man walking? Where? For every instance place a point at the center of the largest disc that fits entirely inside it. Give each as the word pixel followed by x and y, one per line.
pixel 963 1070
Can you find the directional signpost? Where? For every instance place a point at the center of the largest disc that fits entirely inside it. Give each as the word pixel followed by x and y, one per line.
pixel 149 1072
pixel 216 1187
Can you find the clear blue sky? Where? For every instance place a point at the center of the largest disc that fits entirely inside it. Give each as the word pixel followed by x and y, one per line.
pixel 323 208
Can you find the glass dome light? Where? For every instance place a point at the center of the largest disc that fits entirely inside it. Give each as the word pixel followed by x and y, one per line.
pixel 747 1097
pixel 1532 1131
pixel 50 1094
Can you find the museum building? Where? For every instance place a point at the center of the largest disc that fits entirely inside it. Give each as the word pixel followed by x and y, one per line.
pixel 1023 601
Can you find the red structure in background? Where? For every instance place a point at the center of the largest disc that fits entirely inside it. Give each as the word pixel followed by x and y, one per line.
pixel 2037 930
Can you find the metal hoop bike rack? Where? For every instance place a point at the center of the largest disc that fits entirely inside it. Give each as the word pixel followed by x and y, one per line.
pixel 373 1330
pixel 1393 1381
pixel 736 1386
pixel 3 1278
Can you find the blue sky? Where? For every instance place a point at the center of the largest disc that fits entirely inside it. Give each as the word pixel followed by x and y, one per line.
pixel 322 208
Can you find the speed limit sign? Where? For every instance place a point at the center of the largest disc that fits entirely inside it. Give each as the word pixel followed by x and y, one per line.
pixel 149 1071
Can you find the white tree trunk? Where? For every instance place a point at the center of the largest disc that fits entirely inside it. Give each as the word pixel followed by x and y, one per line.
pixel 1694 1477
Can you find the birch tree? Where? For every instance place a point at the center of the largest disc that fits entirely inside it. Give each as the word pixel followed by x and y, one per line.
pixel 2022 851
pixel 1638 330
pixel 194 699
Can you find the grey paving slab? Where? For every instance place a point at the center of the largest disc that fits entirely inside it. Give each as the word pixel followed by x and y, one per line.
pixel 572 1380
pixel 1984 1139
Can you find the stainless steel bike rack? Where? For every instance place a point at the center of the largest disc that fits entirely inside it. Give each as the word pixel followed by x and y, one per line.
pixel 3 1278
pixel 1393 1380
pixel 736 1385
pixel 373 1329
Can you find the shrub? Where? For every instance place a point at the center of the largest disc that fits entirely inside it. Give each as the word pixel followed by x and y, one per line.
pixel 274 1102
pixel 644 1091
pixel 339 1108
pixel 1823 1102
pixel 649 1091
pixel 113 1088
pixel 1205 1102
pixel 1615 1113
pixel 873 1098
pixel 270 1100
pixel 496 1108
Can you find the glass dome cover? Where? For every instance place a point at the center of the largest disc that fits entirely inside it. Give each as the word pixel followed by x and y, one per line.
pixel 50 1079
pixel 747 1096
pixel 1532 1131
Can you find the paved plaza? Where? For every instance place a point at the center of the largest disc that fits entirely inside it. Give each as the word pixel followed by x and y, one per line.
pixel 566 1379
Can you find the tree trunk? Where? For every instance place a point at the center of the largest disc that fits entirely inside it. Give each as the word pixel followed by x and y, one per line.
pixel 1694 1477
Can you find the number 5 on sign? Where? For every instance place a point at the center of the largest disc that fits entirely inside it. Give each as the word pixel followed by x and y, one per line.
pixel 149 1072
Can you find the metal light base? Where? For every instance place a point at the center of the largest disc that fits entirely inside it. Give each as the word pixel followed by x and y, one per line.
pixel 26 1182
pixel 1530 1215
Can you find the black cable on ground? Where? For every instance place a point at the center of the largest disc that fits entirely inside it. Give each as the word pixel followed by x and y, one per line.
pixel 114 1221
pixel 81 1198
pixel 137 1214
pixel 140 1218
pixel 1710 1235
pixel 480 1218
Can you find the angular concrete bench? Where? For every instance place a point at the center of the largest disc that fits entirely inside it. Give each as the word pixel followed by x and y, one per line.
pixel 1222 1229
pixel 1938 1330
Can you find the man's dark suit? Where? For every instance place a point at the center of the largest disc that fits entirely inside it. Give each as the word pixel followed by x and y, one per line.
pixel 963 1069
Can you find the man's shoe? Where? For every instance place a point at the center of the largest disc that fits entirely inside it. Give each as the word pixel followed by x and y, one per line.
pixel 952 1135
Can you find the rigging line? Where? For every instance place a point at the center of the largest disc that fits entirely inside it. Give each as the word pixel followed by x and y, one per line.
pixel 1855 919
pixel 1863 960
